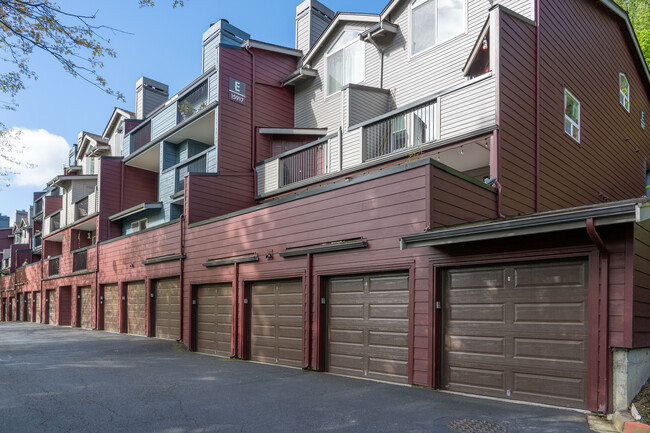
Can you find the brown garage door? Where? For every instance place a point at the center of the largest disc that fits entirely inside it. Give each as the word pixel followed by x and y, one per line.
pixel 214 319
pixel 276 322
pixel 10 309
pixel 51 307
pixel 518 332
pixel 111 304
pixel 37 301
pixel 168 308
pixel 28 307
pixel 20 307
pixel 86 307
pixel 135 308
pixel 368 325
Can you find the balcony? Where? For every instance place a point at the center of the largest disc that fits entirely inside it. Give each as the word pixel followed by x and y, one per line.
pixel 53 267
pixel 80 261
pixel 88 205
pixel 193 102
pixel 37 243
pixel 409 129
pixel 140 137
pixel 38 207
pixel 53 222
pixel 435 125
pixel 197 165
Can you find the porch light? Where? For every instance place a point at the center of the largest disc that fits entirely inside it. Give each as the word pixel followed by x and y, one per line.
pixel 485 44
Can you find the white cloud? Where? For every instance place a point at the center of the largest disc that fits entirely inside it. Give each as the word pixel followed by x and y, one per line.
pixel 46 151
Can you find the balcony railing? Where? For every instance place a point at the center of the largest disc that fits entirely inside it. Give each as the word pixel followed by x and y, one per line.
pixel 194 102
pixel 140 137
pixel 80 261
pixel 305 163
pixel 407 129
pixel 38 241
pixel 53 267
pixel 38 207
pixel 55 222
pixel 195 166
pixel 81 209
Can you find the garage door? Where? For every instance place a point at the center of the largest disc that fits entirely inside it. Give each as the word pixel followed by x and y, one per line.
pixel 368 325
pixel 10 312
pixel 37 298
pixel 20 307
pixel 135 308
pixel 276 322
pixel 28 307
pixel 86 307
pixel 168 308
pixel 111 303
pixel 518 332
pixel 51 307
pixel 214 319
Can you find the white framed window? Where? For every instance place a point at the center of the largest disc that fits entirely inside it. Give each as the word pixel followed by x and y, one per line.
pixel 435 21
pixel 92 166
pixel 624 91
pixel 571 115
pixel 345 62
pixel 139 225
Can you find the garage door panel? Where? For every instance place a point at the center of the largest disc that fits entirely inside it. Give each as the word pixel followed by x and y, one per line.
pixel 136 301
pixel 37 298
pixel 368 326
pixel 86 307
pixel 214 319
pixel 28 307
pixel 111 303
pixel 51 306
pixel 167 296
pixel 557 313
pixel 276 322
pixel 533 341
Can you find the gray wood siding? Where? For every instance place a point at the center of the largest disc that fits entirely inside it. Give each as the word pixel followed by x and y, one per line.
pixel 166 188
pixel 213 87
pixel 317 26
pixel 164 120
pixel 409 78
pixel 312 107
pixel 468 109
pixel 302 32
pixel 366 104
pixel 211 161
pixel 352 148
pixel 210 54
pixel 267 176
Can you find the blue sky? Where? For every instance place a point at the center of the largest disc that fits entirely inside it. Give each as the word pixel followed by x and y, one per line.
pixel 161 43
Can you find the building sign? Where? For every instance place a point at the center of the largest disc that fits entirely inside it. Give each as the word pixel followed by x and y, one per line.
pixel 237 91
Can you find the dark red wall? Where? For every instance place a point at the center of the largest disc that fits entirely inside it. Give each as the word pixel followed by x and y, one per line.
pixel 640 302
pixel 212 196
pixel 583 49
pixel 51 205
pixel 140 186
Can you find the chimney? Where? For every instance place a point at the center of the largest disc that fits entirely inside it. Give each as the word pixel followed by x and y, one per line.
pixel 4 221
pixel 149 95
pixel 221 33
pixel 19 215
pixel 312 18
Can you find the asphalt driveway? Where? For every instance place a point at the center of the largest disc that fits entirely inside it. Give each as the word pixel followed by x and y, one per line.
pixel 56 379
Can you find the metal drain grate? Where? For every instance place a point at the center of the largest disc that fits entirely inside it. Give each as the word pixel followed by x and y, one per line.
pixel 468 425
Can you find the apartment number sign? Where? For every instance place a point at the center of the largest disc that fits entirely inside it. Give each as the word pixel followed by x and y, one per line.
pixel 237 91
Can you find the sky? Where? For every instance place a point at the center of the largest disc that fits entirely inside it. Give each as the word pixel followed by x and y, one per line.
pixel 161 43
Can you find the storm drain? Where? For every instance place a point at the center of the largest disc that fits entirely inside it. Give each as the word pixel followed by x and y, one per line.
pixel 468 425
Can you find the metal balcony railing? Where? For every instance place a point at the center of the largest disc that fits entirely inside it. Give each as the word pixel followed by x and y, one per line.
pixel 80 261
pixel 198 165
pixel 55 222
pixel 81 209
pixel 53 267
pixel 410 128
pixel 193 102
pixel 305 163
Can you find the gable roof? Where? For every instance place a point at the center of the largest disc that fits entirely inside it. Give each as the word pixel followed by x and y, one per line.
pixel 340 17
pixel 117 111
pixel 86 139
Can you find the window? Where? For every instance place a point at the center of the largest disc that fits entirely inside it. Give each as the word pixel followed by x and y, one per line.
pixel 138 226
pixel 624 93
pixel 345 62
pixel 642 119
pixel 435 21
pixel 571 115
pixel 92 166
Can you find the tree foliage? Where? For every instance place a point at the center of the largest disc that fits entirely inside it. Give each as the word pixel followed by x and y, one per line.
pixel 639 12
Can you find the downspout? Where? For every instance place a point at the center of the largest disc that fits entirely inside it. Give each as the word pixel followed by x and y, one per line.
pixel 253 128
pixel 182 271
pixel 537 107
pixel 603 325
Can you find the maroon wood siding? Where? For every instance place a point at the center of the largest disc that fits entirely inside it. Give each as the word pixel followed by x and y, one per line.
pixel 577 35
pixel 51 205
pixel 140 186
pixel 454 200
pixel 212 196
pixel 110 193
pixel 516 90
pixel 641 298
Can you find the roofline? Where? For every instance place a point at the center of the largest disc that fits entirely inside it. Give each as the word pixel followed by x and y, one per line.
pixel 134 210
pixel 127 114
pixel 340 16
pixel 616 213
pixel 252 43
pixel 293 131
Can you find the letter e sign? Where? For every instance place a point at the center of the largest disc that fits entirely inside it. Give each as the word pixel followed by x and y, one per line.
pixel 237 91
